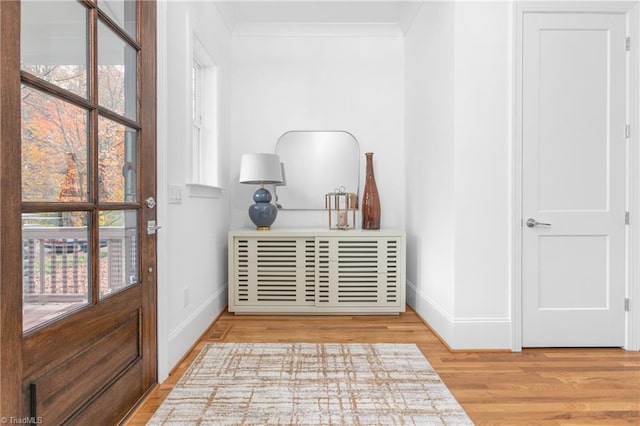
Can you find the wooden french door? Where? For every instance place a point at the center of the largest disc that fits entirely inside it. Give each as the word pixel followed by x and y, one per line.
pixel 78 179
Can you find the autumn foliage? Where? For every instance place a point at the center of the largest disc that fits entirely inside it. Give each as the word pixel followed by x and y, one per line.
pixel 56 165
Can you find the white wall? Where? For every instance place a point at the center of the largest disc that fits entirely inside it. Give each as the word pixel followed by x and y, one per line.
pixel 192 258
pixel 304 82
pixel 429 79
pixel 458 85
pixel 483 93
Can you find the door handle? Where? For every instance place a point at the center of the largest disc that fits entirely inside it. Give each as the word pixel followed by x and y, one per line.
pixel 531 223
pixel 152 227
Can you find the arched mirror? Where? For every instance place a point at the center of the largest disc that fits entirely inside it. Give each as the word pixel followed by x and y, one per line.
pixel 315 163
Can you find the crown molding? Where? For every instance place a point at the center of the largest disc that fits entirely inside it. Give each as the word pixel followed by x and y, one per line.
pixel 316 29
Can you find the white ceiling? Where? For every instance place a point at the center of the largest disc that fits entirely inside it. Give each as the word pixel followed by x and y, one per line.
pixel 265 12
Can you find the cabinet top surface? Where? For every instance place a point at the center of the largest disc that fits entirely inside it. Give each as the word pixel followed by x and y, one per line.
pixel 315 232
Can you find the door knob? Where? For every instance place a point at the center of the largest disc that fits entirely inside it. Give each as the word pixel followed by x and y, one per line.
pixel 531 223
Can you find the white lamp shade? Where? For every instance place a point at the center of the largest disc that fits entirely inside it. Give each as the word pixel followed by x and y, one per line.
pixel 284 176
pixel 260 168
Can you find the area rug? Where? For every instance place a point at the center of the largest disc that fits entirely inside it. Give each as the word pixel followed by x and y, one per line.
pixel 310 384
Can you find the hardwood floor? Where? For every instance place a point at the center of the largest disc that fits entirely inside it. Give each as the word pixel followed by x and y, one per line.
pixel 535 386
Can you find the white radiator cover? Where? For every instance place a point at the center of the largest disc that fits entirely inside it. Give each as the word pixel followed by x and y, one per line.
pixel 317 272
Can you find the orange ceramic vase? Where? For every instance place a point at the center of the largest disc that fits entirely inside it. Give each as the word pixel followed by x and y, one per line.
pixel 370 198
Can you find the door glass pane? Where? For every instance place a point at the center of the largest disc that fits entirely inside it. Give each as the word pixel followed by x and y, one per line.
pixel 117 162
pixel 122 12
pixel 54 149
pixel 53 43
pixel 116 73
pixel 118 250
pixel 55 265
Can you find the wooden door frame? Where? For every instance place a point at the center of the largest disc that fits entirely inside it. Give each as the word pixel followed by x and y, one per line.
pixel 632 286
pixel 12 402
pixel 148 152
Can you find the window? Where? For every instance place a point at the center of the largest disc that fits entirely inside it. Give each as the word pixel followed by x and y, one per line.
pixel 197 117
pixel 204 159
pixel 79 154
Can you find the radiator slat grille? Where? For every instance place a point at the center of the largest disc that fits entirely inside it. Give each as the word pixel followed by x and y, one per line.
pixel 269 271
pixel 331 271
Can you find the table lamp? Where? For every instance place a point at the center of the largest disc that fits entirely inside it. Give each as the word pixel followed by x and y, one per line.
pixel 261 169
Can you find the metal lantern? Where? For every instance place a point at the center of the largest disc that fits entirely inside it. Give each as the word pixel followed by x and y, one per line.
pixel 342 208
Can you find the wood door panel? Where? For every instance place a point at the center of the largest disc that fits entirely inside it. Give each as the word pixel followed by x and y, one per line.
pixel 112 405
pixel 86 373
pixel 79 331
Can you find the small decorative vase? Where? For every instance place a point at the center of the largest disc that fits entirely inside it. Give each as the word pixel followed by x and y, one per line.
pixel 370 198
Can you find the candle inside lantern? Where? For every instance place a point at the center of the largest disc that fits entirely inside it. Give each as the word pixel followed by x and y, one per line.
pixel 342 219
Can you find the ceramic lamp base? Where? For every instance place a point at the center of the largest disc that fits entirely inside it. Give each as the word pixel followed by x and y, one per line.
pixel 262 213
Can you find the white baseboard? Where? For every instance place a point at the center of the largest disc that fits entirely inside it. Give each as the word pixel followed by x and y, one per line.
pixel 183 337
pixel 461 333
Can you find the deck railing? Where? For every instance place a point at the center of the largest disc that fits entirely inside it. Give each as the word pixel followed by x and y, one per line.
pixel 56 263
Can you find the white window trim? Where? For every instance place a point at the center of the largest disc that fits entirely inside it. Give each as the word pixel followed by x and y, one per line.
pixel 197 74
pixel 202 178
pixel 196 190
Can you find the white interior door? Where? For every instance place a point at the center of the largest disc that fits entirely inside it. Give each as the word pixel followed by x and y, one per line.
pixel 574 178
